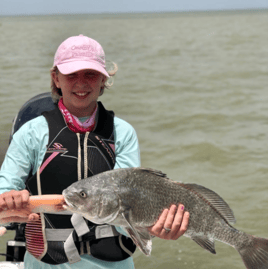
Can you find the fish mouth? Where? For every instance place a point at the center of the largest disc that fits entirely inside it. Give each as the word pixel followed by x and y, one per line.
pixel 68 206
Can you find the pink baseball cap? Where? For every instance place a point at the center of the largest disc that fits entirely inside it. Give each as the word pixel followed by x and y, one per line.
pixel 78 53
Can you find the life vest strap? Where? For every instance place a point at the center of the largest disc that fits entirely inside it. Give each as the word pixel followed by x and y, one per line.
pixel 79 224
pixel 83 231
pixel 57 234
pixel 102 231
pixel 65 212
pixel 71 250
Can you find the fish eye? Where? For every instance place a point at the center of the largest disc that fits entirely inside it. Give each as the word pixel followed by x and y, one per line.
pixel 83 194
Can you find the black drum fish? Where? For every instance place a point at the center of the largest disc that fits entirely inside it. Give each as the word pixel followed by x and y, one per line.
pixel 135 197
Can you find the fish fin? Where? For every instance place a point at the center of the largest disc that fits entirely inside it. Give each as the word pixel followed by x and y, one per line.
pixel 213 199
pixel 144 244
pixel 205 243
pixel 140 235
pixel 254 253
pixel 153 171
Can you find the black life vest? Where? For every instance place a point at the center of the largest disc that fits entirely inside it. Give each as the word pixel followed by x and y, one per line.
pixel 71 156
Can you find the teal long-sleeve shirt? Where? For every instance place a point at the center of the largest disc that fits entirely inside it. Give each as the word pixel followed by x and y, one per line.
pixel 26 152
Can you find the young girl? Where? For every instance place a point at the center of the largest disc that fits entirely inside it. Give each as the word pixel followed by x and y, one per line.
pixel 78 139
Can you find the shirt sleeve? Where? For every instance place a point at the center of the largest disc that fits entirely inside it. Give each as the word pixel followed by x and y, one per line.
pixel 24 155
pixel 127 151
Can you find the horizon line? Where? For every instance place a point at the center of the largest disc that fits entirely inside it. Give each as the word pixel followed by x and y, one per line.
pixel 137 12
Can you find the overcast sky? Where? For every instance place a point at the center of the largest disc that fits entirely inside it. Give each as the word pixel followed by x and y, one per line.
pixel 32 7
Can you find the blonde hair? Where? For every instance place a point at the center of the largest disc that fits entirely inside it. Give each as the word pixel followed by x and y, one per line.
pixel 56 93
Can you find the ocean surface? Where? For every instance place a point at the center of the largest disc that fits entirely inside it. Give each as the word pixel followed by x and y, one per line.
pixel 193 85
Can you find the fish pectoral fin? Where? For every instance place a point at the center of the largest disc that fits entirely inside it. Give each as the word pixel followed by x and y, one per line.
pixel 140 235
pixel 143 243
pixel 205 243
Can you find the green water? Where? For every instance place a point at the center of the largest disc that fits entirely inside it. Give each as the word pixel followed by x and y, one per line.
pixel 193 85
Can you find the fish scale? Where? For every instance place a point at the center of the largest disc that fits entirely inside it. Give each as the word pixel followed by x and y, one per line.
pixel 156 198
pixel 135 197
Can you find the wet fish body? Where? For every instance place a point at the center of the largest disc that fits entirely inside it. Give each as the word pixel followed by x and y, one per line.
pixel 135 197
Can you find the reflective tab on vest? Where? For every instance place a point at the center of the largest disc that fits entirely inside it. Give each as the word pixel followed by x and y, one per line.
pixel 105 231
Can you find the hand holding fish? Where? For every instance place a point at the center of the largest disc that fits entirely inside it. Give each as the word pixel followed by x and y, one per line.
pixel 173 219
pixel 16 200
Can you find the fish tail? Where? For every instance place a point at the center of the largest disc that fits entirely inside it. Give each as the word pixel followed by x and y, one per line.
pixel 255 254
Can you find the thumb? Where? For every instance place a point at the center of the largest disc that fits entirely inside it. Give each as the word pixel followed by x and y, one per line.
pixel 33 217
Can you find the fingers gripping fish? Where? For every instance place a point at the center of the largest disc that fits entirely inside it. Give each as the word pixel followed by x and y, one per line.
pixel 135 197
pixel 36 204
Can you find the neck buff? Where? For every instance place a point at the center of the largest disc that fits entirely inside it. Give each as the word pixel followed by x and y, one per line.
pixel 73 122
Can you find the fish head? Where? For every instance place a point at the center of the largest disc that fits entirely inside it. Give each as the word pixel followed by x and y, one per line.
pixel 99 205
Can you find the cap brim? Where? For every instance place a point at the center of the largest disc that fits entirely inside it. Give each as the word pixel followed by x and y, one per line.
pixel 71 67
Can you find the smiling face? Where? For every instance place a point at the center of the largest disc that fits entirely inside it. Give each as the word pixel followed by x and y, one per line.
pixel 80 90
